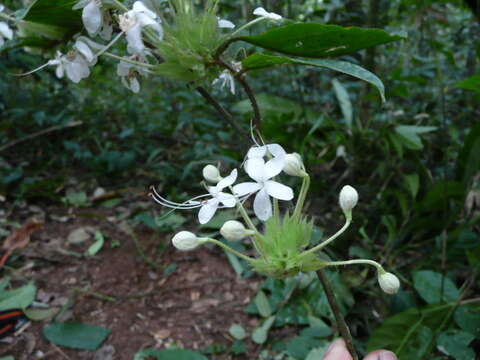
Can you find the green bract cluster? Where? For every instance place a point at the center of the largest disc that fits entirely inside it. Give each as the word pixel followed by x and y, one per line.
pixel 189 43
pixel 282 244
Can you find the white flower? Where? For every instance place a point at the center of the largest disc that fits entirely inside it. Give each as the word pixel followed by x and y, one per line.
pixel 132 23
pixel 73 64
pixel 389 283
pixel 92 16
pixel 294 165
pixel 211 173
pixel 348 198
pixel 185 241
pixel 226 79
pixel 129 73
pixel 234 230
pixel 225 24
pixel 5 31
pixel 262 172
pixel 218 199
pixel 260 11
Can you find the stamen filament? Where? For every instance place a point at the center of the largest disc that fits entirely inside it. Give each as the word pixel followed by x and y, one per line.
pixel 109 45
pixel 34 70
pixel 247 25
pixel 127 60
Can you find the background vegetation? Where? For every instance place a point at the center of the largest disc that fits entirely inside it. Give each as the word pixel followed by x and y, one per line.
pixel 414 160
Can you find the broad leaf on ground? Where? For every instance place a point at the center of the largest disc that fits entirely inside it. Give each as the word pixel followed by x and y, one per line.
pixel 76 335
pixel 19 298
pixel 433 288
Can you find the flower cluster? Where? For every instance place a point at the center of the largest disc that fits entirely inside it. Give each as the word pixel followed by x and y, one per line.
pixel 182 49
pixel 283 247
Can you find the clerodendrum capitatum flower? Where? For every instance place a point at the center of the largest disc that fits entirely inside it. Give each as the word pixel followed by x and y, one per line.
pixel 348 199
pixel 388 282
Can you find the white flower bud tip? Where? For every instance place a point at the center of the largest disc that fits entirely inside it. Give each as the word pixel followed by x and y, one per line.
pixel 234 230
pixel 211 173
pixel 389 283
pixel 294 165
pixel 185 241
pixel 348 198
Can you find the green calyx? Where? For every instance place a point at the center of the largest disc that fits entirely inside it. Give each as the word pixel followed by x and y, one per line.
pixel 282 244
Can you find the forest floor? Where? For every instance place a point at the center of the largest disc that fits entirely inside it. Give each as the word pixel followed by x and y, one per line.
pixel 190 299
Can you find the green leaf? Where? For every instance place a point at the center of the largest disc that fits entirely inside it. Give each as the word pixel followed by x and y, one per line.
pixel 471 83
pixel 76 335
pixel 317 353
pixel 402 332
pixel 413 184
pixel 18 298
pixel 315 40
pixel 409 135
pixel 468 161
pixel 468 319
pixel 171 354
pixel 48 22
pixel 41 314
pixel 260 334
pixel 263 305
pixel 429 286
pixel 344 100
pixel 455 343
pixel 237 332
pixel 7 358
pixel 259 61
pixel 97 245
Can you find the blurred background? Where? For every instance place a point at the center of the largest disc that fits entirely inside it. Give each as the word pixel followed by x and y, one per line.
pixel 414 160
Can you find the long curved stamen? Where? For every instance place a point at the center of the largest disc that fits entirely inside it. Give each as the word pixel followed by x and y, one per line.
pixel 184 206
pixel 34 70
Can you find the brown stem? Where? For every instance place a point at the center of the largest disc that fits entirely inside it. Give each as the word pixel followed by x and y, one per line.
pixel 222 111
pixel 257 117
pixel 341 324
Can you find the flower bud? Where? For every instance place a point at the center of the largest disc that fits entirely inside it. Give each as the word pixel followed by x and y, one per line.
pixel 211 173
pixel 294 165
pixel 234 231
pixel 348 199
pixel 185 241
pixel 389 282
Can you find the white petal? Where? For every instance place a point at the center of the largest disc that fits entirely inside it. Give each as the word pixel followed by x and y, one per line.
pixel 260 11
pixel 278 191
pixel 225 24
pixel 134 85
pixel 123 68
pixel 255 168
pixel 134 39
pixel 262 205
pixel 246 188
pixel 276 150
pixel 92 18
pixel 140 8
pixel 84 50
pixel 106 32
pixel 207 211
pixel 5 30
pixel 274 166
pixel 227 200
pixel 60 71
pixel 227 181
pixel 1 41
pixel 257 152
pixel 2 7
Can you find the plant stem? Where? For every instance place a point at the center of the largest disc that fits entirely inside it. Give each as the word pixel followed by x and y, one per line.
pixel 302 196
pixel 353 262
pixel 7 17
pixel 257 117
pixel 127 60
pixel 341 324
pixel 328 241
pixel 228 248
pixel 120 5
pixel 222 111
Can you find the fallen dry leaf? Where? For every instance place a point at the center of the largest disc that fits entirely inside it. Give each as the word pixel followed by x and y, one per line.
pixel 20 238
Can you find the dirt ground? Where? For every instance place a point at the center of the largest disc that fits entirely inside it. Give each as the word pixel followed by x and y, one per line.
pixel 143 306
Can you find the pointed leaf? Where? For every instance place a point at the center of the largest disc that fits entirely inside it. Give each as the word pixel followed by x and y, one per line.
pixel 260 61
pixel 18 298
pixel 76 335
pixel 344 100
pixel 317 40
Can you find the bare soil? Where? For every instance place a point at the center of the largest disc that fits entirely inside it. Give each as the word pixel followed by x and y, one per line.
pixel 143 306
